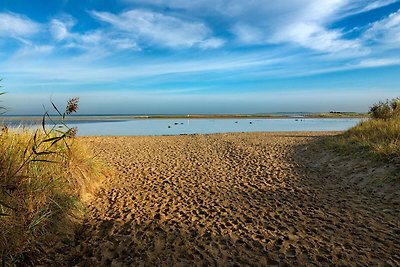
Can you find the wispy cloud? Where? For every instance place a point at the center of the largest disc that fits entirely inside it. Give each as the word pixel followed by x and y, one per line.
pixel 17 26
pixel 241 9
pixel 93 40
pixel 378 62
pixel 160 29
pixel 361 6
pixel 80 71
pixel 377 4
pixel 356 65
pixel 303 23
pixel 255 22
pixel 248 34
pixel 32 50
pixel 60 28
pixel 313 36
pixel 385 31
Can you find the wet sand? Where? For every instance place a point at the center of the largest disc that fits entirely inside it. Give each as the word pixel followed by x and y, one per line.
pixel 248 199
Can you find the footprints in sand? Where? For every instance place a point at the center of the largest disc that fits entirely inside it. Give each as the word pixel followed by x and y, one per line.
pixel 226 200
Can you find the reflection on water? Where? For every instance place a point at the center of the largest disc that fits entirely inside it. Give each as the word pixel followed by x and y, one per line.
pixel 202 126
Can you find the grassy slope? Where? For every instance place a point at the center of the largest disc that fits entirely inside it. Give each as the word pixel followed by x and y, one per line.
pixel 374 138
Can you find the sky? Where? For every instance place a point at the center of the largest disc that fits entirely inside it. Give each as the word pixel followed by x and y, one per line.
pixel 199 56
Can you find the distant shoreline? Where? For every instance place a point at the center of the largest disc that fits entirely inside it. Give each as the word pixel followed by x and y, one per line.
pixel 343 115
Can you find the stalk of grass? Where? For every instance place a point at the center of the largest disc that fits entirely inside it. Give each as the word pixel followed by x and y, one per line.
pixel 2 109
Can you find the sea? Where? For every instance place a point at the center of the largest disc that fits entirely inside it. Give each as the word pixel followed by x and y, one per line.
pixel 112 126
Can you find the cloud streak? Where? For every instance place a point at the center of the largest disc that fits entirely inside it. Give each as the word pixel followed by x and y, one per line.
pixel 160 29
pixel 17 26
pixel 302 23
pixel 385 31
pixel 94 40
pixel 72 70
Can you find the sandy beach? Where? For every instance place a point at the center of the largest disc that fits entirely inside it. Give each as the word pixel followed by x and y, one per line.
pixel 247 199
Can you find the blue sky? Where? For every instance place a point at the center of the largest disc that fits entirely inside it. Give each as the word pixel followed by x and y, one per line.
pixel 200 56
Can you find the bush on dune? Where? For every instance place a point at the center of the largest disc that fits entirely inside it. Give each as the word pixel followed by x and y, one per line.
pixel 43 177
pixel 386 110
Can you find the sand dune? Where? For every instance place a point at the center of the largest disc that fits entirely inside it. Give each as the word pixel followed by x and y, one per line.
pixel 249 199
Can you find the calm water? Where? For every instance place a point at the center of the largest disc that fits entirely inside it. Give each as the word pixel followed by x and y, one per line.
pixel 202 126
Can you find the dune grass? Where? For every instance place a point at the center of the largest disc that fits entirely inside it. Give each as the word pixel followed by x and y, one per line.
pixel 40 198
pixel 45 175
pixel 377 137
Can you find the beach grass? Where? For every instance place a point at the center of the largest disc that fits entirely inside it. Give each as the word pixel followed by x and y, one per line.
pixel 40 197
pixel 377 137
pixel 45 177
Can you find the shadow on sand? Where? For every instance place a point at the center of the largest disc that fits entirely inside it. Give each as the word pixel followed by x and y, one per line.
pixel 298 209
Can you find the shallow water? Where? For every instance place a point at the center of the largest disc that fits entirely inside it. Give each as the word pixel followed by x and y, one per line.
pixel 203 126
pixel 134 127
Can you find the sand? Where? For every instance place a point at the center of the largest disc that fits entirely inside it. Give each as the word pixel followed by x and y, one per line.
pixel 246 199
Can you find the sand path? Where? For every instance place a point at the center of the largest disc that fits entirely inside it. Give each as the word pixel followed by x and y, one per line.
pixel 230 200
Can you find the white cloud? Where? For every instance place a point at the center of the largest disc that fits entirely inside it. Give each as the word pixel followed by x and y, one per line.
pixel 81 71
pixel 300 22
pixel 361 6
pixel 315 37
pixel 378 62
pixel 378 3
pixel 247 34
pixel 124 44
pixel 211 43
pixel 257 7
pixel 33 51
pixel 160 29
pixel 60 28
pixel 94 40
pixel 17 26
pixel 305 23
pixel 362 64
pixel 385 31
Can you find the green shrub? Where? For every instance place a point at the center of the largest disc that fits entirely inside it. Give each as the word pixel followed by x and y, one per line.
pixel 385 110
pixel 395 104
